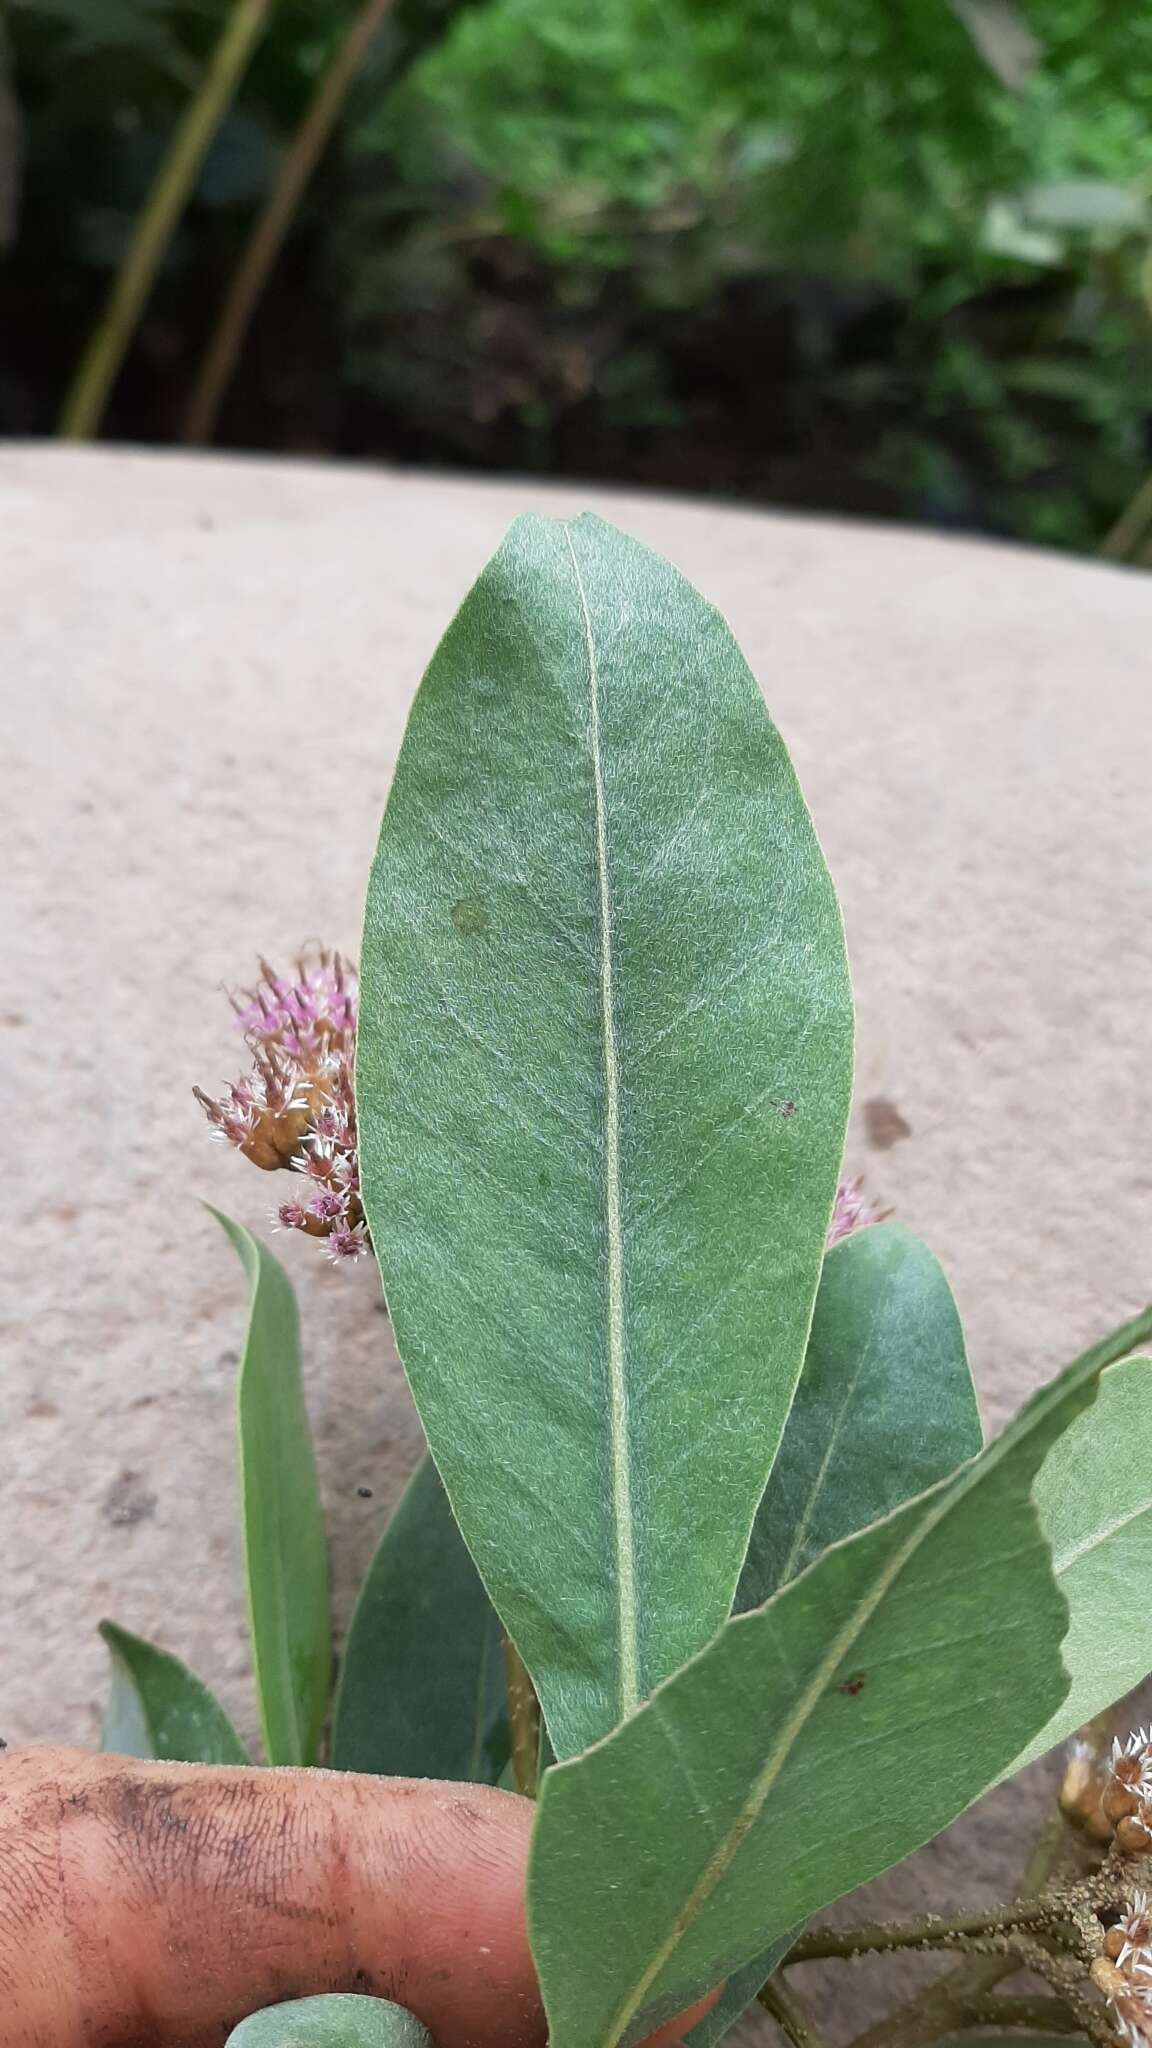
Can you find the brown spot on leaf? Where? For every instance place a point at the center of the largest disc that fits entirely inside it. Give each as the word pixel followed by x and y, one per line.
pixel 884 1126
pixel 853 1685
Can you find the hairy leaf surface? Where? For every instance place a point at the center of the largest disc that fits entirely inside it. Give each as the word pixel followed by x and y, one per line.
pixel 603 1074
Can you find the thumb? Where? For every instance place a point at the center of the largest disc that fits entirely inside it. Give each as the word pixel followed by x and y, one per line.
pixel 162 1903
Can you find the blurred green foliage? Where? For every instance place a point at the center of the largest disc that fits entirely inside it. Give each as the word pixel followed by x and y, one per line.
pixel 887 256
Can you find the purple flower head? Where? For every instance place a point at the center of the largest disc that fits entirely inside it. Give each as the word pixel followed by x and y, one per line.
pixel 852 1211
pixel 296 1107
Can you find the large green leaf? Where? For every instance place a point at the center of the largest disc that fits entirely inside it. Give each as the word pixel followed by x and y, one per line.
pixel 818 1740
pixel 158 1709
pixel 885 1406
pixel 285 1547
pixel 1094 1499
pixel 603 1074
pixel 422 1684
pixel 337 2019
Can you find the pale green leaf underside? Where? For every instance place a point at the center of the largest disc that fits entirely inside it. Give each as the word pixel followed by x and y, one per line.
pixel 603 1074
pixel 285 1544
pixel 422 1691
pixel 818 1740
pixel 336 2020
pixel 1094 1498
pixel 157 1709
pixel 885 1406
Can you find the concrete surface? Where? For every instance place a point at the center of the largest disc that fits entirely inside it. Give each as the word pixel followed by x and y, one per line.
pixel 206 668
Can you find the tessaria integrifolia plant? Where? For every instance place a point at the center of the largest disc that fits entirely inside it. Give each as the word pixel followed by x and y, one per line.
pixel 709 1554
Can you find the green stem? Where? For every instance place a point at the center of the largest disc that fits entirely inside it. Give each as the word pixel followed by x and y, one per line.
pixel 939 2009
pixel 930 1932
pixel 267 238
pixel 1040 2015
pixel 523 1721
pixel 790 2015
pixel 100 364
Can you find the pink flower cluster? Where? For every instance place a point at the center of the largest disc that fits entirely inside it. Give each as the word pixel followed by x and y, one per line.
pixel 296 1108
pixel 852 1211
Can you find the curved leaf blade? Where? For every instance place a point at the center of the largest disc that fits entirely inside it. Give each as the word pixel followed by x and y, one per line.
pixel 159 1711
pixel 603 1074
pixel 1094 1499
pixel 885 1406
pixel 336 2019
pixel 879 1670
pixel 421 1691
pixel 285 1545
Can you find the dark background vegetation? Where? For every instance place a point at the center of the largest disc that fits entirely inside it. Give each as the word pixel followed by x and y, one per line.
pixel 883 256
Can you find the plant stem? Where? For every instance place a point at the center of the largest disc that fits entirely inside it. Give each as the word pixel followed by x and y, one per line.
pixel 930 1932
pixel 100 364
pixel 523 1720
pixel 1040 2015
pixel 1122 542
pixel 790 2015
pixel 939 2009
pixel 267 238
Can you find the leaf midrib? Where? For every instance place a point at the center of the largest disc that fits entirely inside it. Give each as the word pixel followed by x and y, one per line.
pixel 618 1402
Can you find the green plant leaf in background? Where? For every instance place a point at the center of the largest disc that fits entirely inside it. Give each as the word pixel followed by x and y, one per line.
pixel 421 1691
pixel 1094 1498
pixel 285 1547
pixel 885 1406
pixel 603 1074
pixel 158 1709
pixel 336 2020
pixel 818 1740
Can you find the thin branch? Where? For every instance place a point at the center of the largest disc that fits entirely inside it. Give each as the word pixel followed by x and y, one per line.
pixel 1039 2015
pixel 933 2012
pixel 790 2014
pixel 101 361
pixel 877 1937
pixel 523 1720
pixel 267 238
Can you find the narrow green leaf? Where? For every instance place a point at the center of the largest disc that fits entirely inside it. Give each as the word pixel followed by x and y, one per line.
pixel 1094 1499
pixel 158 1709
pixel 818 1740
pixel 885 1406
pixel 603 1074
pixel 421 1690
pixel 336 2020
pixel 285 1547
